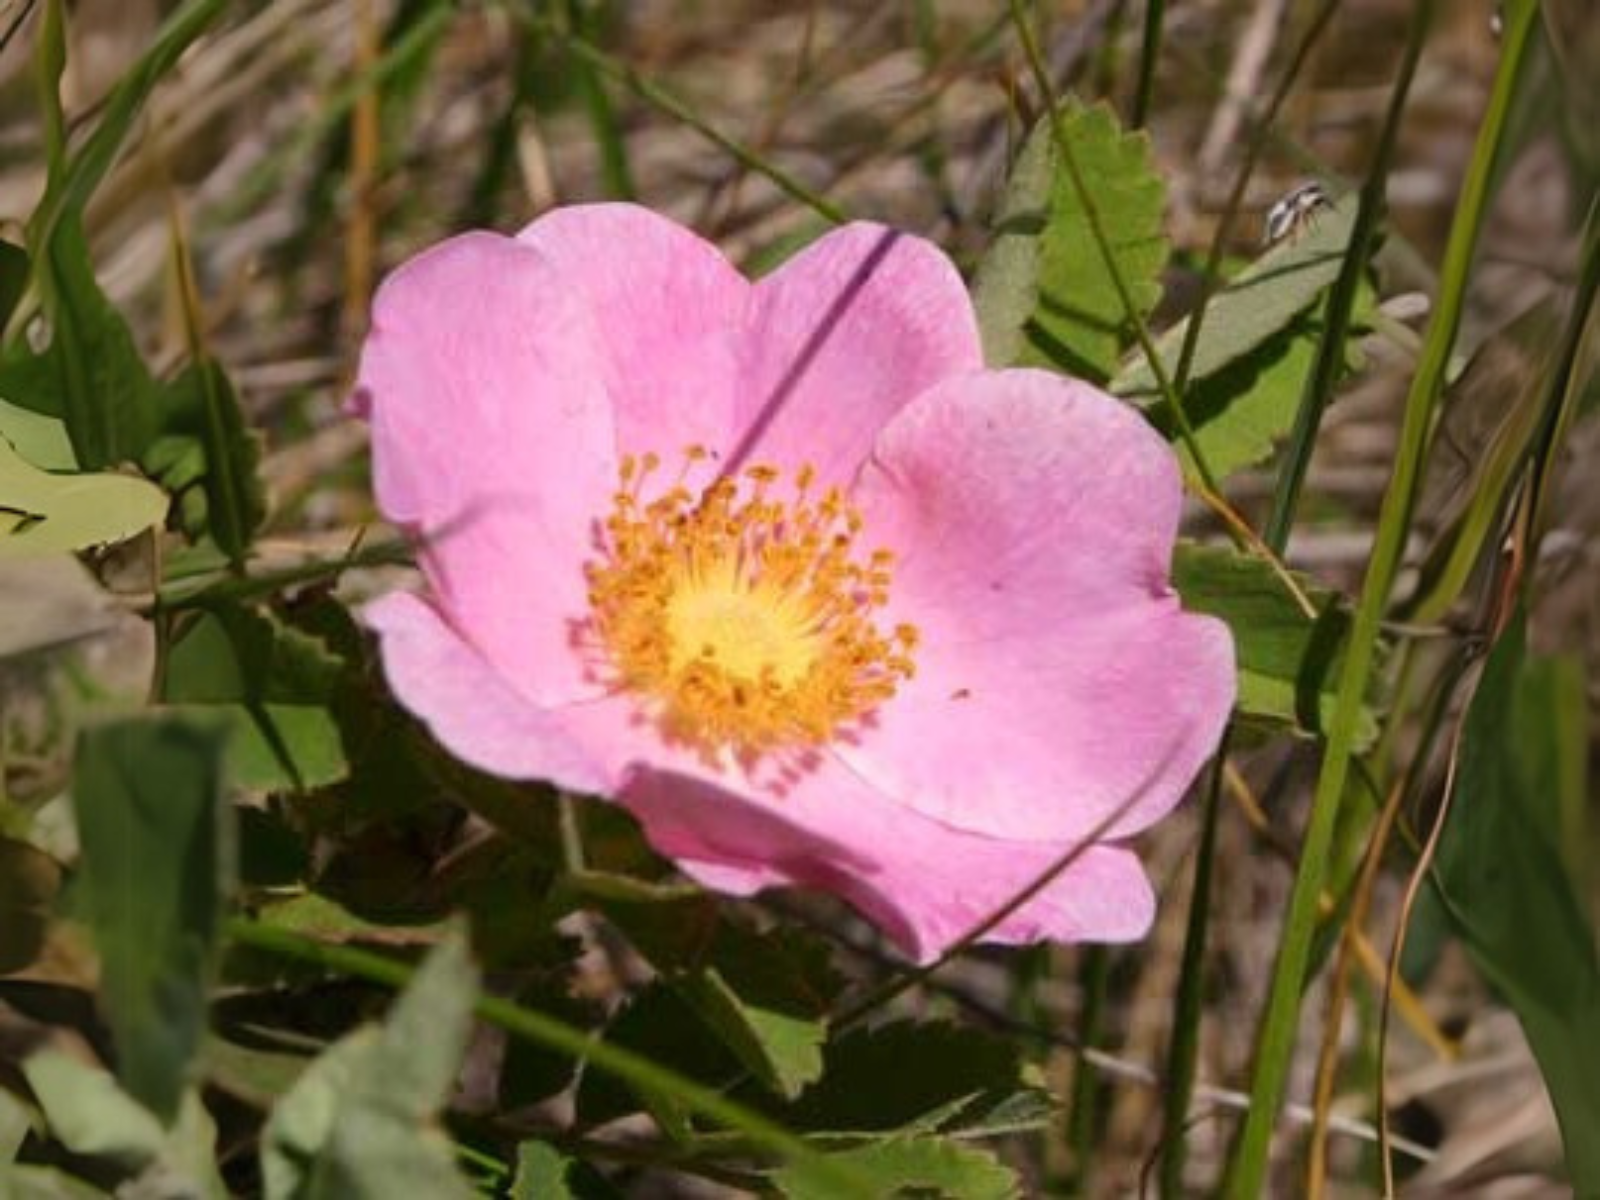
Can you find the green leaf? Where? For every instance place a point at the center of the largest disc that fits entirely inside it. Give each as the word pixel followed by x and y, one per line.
pixel 256 1075
pixel 90 372
pixel 15 1125
pixel 187 1165
pixel 541 1173
pixel 914 1077
pixel 41 513
pixel 147 794
pixel 90 1115
pixel 781 1048
pixel 284 747
pixel 50 63
pixel 1043 292
pixel 1257 346
pixel 544 1173
pixel 921 1166
pixel 1241 412
pixel 660 1025
pixel 361 1122
pixel 43 1183
pixel 205 445
pixel 1261 302
pixel 40 439
pixel 273 685
pixel 1286 660
pixel 29 882
pixel 765 996
pixel 318 917
pixel 1500 875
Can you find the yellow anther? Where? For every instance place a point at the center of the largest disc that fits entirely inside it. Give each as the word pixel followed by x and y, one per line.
pixel 744 624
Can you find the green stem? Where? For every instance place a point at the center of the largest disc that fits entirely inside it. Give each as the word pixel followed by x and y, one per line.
pixel 1184 1053
pixel 1083 1115
pixel 614 170
pixel 633 1069
pixel 1280 1020
pixel 653 94
pixel 1155 12
pixel 70 187
pixel 1330 359
pixel 180 595
pixel 1211 273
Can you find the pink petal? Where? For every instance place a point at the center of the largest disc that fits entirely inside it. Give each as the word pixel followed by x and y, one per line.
pixel 842 336
pixel 492 437
pixel 924 883
pixel 471 709
pixel 1059 685
pixel 667 306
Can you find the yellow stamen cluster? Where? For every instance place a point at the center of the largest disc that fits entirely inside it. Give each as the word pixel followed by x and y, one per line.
pixel 743 622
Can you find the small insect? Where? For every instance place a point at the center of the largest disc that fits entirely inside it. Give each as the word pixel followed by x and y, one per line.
pixel 1497 21
pixel 1295 213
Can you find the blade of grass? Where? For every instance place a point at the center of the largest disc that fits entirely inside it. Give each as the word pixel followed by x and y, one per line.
pixel 1331 353
pixel 396 59
pixel 1189 1004
pixel 615 173
pixel 1509 592
pixel 49 62
pixel 69 188
pixel 657 97
pixel 1566 381
pixel 1211 273
pixel 1280 1020
pixel 1155 13
pixel 1083 1111
pixel 229 515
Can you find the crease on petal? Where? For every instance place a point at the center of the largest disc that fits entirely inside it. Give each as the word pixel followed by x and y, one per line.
pixel 840 338
pixel 924 883
pixel 667 307
pixel 492 441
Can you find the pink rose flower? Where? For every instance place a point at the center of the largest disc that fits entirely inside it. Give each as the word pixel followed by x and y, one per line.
pixel 781 568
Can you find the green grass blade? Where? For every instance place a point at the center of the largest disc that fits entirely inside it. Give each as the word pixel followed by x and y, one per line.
pixel 615 172
pixel 1331 353
pixel 70 188
pixel 659 98
pixel 1155 13
pixel 1276 1036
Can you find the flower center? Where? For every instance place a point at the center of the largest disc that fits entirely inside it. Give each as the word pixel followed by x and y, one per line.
pixel 745 622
